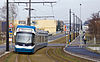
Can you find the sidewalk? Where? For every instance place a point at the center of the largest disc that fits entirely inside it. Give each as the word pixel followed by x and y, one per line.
pixel 82 52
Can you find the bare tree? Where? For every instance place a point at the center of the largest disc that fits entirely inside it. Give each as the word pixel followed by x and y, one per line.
pixel 3 13
pixel 94 26
pixel 12 12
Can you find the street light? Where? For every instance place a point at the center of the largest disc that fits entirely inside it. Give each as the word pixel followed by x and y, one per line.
pixel 80 16
pixel 76 25
pixel 73 26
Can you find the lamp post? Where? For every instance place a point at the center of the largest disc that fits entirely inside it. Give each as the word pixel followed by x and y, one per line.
pixel 76 26
pixel 80 16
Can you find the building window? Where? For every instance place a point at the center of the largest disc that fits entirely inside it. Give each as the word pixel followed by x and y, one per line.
pixel 22 22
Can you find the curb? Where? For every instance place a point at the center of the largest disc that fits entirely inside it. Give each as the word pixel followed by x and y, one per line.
pixel 4 54
pixel 84 57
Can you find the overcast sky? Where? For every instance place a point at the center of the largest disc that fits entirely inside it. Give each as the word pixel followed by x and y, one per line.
pixel 61 8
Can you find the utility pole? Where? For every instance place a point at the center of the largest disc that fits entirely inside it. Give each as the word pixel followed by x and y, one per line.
pixel 7 27
pixel 29 21
pixel 76 26
pixel 73 26
pixel 70 25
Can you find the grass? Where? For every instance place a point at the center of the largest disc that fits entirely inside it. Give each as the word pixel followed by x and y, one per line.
pixel 58 33
pixel 95 51
pixel 8 57
pixel 96 45
pixel 60 40
pixel 63 39
pixel 61 56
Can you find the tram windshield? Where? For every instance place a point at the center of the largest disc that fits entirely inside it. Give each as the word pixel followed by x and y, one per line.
pixel 24 37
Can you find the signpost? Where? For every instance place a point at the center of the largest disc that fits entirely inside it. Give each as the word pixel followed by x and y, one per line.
pixel 11 34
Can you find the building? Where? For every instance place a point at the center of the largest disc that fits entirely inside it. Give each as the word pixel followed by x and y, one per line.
pixel 46 25
pixel 2 26
pixel 85 26
pixel 19 22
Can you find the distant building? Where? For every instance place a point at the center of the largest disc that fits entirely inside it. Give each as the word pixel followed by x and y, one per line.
pixel 19 22
pixel 2 26
pixel 85 26
pixel 46 25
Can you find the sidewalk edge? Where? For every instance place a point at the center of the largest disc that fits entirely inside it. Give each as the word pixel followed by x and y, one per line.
pixel 81 56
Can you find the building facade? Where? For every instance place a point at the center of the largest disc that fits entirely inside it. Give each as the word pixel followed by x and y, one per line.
pixel 46 25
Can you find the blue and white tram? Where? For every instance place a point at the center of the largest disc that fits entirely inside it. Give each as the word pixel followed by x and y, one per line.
pixel 29 40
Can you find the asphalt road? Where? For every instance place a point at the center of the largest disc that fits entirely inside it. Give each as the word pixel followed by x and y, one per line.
pixel 75 48
pixel 55 37
pixel 2 47
pixel 82 51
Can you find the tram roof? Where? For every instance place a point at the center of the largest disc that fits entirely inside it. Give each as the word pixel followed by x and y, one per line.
pixel 23 26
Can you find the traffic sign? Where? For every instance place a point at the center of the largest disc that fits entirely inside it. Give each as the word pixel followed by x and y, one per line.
pixel 10 35
pixel 10 32
pixel 10 25
pixel 10 39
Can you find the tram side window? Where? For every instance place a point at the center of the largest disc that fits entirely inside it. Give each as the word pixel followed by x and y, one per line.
pixel 46 38
pixel 36 39
pixel 33 39
pixel 39 39
pixel 42 39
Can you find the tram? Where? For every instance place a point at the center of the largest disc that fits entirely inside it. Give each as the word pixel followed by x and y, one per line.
pixel 29 40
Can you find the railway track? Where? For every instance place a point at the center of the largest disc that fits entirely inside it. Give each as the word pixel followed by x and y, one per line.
pixel 16 59
pixel 26 58
pixel 48 54
pixel 58 55
pixel 53 54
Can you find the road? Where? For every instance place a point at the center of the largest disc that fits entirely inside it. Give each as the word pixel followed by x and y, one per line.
pixel 2 48
pixel 51 38
pixel 54 38
pixel 81 51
